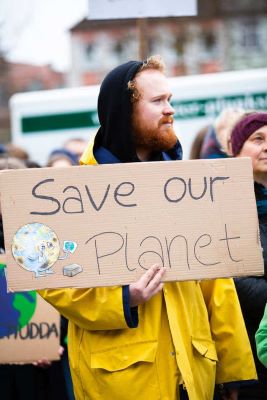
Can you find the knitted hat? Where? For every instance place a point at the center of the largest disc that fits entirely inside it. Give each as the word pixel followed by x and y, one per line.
pixel 244 128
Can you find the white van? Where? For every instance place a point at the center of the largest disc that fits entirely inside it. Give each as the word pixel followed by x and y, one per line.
pixel 42 121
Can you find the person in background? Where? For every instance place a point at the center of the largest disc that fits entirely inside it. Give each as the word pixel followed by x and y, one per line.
pixel 15 151
pixel 261 339
pixel 75 146
pixel 32 164
pixel 43 379
pixel 16 381
pixel 216 141
pixel 65 357
pixel 2 149
pixel 197 143
pixel 159 341
pixel 249 139
pixel 62 158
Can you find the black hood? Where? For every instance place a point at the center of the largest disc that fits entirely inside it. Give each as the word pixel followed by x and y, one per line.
pixel 115 112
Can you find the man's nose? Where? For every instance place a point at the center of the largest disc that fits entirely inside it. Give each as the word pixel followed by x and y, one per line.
pixel 168 109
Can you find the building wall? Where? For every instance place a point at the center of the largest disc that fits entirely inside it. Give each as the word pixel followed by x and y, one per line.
pixel 16 78
pixel 188 46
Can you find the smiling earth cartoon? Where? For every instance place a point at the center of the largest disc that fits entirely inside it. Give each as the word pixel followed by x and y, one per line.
pixel 36 248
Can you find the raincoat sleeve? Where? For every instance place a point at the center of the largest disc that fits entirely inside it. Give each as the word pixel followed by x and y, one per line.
pixel 94 309
pixel 261 339
pixel 235 359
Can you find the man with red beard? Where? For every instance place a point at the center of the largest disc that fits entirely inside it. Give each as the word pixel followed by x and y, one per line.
pixel 148 340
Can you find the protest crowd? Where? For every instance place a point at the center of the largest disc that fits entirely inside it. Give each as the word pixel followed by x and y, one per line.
pixel 194 340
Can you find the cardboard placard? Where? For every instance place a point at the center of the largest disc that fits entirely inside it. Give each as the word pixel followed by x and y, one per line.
pixel 108 9
pixel 29 328
pixel 104 225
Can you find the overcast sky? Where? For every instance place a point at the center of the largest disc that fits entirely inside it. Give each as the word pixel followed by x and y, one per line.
pixel 36 31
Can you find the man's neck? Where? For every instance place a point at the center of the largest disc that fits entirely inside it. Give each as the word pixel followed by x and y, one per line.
pixel 143 154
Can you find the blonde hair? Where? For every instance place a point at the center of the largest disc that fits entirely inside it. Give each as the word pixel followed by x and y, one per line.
pixel 224 124
pixel 152 63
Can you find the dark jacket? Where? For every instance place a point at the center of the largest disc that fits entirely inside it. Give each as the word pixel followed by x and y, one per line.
pixel 252 291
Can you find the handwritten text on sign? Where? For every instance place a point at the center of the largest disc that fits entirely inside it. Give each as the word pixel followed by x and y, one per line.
pixel 106 225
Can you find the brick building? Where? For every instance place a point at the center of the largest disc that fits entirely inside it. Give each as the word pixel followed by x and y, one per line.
pixel 225 35
pixel 16 77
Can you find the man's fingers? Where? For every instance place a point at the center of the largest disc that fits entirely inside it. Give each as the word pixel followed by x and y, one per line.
pixel 147 286
pixel 155 285
pixel 155 281
pixel 149 275
pixel 154 290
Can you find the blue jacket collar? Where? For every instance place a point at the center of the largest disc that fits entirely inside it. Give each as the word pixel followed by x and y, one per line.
pixel 104 156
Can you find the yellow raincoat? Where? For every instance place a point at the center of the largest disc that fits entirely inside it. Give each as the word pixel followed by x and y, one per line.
pixel 192 333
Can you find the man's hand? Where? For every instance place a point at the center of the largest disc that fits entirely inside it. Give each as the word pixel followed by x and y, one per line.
pixel 147 286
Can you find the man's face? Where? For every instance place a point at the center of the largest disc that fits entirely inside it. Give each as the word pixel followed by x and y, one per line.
pixel 152 114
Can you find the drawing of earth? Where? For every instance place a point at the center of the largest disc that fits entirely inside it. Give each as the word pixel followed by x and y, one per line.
pixel 35 247
pixel 16 309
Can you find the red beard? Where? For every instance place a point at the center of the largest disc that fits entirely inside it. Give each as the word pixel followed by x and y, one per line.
pixel 160 139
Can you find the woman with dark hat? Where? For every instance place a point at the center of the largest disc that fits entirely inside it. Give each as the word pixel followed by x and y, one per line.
pixel 249 139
